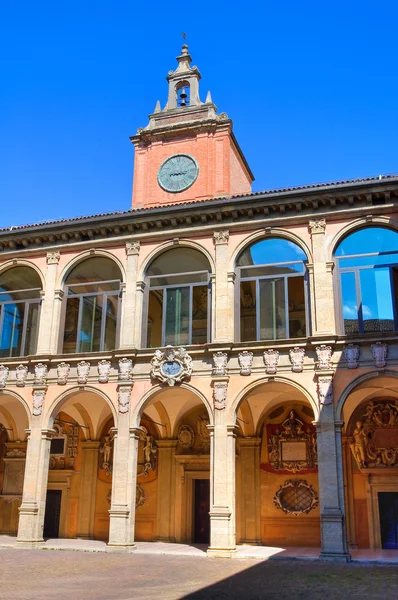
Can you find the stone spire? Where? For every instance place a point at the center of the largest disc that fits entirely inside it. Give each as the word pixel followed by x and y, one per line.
pixel 185 78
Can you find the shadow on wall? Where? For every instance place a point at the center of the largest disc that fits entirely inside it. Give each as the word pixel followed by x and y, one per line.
pixel 299 580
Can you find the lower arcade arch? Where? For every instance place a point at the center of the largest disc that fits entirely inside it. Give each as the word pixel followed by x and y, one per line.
pixel 370 460
pixel 173 475
pixel 14 423
pixel 277 491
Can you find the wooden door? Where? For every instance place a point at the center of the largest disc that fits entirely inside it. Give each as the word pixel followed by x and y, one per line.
pixel 388 509
pixel 52 514
pixel 201 511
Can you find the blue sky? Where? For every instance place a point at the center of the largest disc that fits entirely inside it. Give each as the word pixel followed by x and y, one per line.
pixel 311 88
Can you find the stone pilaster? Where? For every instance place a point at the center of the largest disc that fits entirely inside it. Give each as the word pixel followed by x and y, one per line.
pixel 140 320
pixel 88 489
pixel 32 509
pixel 124 481
pixel 249 457
pixel 48 320
pixel 321 281
pixel 223 317
pixel 331 490
pixel 165 510
pixel 128 317
pixel 222 487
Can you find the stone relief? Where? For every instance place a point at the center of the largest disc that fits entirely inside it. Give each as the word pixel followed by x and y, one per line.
pixel 324 355
pixel 220 361
pixel 40 374
pixel 15 453
pixel 296 356
pixel 63 370
pixel 325 390
pixel 379 353
pixel 296 497
pixel 171 366
pixel 245 359
pixel 104 368
pixel 149 452
pixel 221 237
pixel 106 453
pixel 139 496
pixel 186 436
pixel 374 441
pixel 317 226
pixel 351 353
pixel 123 398
pixel 132 248
pixel 83 371
pixel 271 358
pixel 293 439
pixel 38 400
pixel 4 372
pixel 21 374
pixel 203 432
pixel 53 258
pixel 220 394
pixel 125 369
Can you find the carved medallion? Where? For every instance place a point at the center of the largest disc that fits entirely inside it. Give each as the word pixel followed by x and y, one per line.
pixel 271 358
pixel 379 353
pixel 220 394
pixel 220 361
pixel 38 400
pixel 21 374
pixel 325 390
pixel 63 370
pixel 186 436
pixel 83 371
pixel 4 371
pixel 124 395
pixel 125 369
pixel 171 366
pixel 351 353
pixel 104 368
pixel 245 359
pixel 296 497
pixel 40 374
pixel 324 355
pixel 296 356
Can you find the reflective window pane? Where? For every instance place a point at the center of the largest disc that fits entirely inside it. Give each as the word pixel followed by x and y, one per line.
pixel 377 306
pixel 177 316
pixel 178 279
pixel 155 311
pixel 95 269
pixel 11 334
pixel 199 314
pixel 19 278
pixel 364 261
pixel 248 324
pixel 272 309
pixel 110 323
pixel 296 302
pixel 179 260
pixel 71 324
pixel 31 328
pixel 369 239
pixel 271 251
pixel 350 307
pixel 93 288
pixel 90 328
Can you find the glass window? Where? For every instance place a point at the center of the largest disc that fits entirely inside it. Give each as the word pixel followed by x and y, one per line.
pixel 367 262
pixel 272 277
pixel 178 298
pixel 20 289
pixel 92 306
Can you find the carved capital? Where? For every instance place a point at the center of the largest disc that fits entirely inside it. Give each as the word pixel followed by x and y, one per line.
pixel 317 226
pixel 132 248
pixel 53 258
pixel 221 237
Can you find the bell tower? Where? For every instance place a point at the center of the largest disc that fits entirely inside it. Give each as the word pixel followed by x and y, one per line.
pixel 187 151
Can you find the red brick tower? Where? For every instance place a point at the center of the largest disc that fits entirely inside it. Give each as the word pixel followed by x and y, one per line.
pixel 187 151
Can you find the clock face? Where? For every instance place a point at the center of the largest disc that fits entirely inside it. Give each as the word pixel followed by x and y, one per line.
pixel 178 173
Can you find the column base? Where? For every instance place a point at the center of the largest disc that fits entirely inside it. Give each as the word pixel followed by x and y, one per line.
pixel 121 548
pixel 336 556
pixel 29 544
pixel 221 552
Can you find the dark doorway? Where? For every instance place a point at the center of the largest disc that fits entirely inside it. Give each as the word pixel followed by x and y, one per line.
pixel 52 514
pixel 201 511
pixel 388 508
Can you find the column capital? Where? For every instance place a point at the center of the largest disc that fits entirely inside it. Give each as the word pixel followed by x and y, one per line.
pixel 132 248
pixel 221 237
pixel 52 258
pixel 317 226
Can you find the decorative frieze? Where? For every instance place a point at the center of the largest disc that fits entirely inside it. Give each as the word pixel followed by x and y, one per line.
pixel 63 370
pixel 123 398
pixel 4 372
pixel 245 360
pixel 21 374
pixel 40 374
pixel 171 366
pixel 379 353
pixel 296 356
pixel 351 353
pixel 83 371
pixel 104 369
pixel 220 361
pixel 125 369
pixel 325 390
pixel 271 358
pixel 38 401
pixel 220 394
pixel 324 355
pixel 221 237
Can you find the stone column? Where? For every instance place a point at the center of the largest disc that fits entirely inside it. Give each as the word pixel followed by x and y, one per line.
pixel 128 317
pixel 88 489
pixel 222 478
pixel 249 455
pixel 222 314
pixel 33 506
pixel 165 510
pixel 330 481
pixel 233 314
pixel 45 342
pixel 140 320
pixel 124 478
pixel 323 322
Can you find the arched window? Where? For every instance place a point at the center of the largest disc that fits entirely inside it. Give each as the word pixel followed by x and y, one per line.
pixel 20 289
pixel 368 265
pixel 273 296
pixel 178 298
pixel 92 291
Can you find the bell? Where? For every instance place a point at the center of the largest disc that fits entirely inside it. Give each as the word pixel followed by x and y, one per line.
pixel 183 97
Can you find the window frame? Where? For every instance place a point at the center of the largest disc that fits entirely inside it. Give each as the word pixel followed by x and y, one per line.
pixel 27 303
